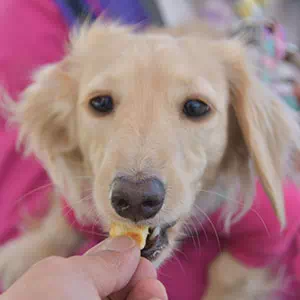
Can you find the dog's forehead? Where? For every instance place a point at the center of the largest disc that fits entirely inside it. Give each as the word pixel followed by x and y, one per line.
pixel 143 55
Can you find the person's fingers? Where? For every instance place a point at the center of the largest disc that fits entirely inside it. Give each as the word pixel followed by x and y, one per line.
pixel 148 289
pixel 110 265
pixel 145 270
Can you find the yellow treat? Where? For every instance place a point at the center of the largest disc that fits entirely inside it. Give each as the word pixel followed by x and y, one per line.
pixel 138 233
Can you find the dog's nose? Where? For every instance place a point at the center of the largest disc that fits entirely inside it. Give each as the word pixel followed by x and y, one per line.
pixel 137 200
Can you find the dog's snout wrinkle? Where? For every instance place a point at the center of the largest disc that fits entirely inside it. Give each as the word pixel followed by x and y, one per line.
pixel 137 200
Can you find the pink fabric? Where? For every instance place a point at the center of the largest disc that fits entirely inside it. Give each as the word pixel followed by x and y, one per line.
pixel 35 35
pixel 32 33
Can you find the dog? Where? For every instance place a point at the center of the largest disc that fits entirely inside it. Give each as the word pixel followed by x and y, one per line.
pixel 135 127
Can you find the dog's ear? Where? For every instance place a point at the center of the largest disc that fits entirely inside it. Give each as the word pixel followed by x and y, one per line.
pixel 46 112
pixel 45 116
pixel 269 127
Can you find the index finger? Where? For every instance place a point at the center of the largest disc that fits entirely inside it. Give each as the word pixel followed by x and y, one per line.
pixel 145 270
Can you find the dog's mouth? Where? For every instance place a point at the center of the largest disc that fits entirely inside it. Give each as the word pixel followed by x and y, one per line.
pixel 156 242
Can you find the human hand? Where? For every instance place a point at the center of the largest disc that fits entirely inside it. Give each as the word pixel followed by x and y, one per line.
pixel 112 270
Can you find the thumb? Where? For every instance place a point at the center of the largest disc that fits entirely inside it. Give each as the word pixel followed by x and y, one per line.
pixel 111 264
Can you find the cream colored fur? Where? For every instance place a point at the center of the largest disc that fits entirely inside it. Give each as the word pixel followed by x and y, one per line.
pixel 150 76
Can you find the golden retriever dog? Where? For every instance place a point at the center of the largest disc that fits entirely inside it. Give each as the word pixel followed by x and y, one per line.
pixel 151 120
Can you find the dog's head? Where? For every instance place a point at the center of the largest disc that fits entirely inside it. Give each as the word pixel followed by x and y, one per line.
pixel 151 121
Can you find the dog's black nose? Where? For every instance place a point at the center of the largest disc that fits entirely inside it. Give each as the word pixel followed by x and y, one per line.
pixel 137 200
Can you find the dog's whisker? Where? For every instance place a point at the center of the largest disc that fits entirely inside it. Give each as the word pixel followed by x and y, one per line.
pixel 241 202
pixel 161 273
pixel 212 225
pixel 96 218
pixel 34 191
pixel 262 221
pixel 181 252
pixel 195 233
pixel 83 177
pixel 93 232
pixel 85 198
pixel 202 227
pixel 50 184
pixel 258 216
pixel 74 203
pixel 178 261
pixel 68 212
pixel 190 233
pixel 90 189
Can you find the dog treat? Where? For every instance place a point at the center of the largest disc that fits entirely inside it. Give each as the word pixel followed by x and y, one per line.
pixel 138 233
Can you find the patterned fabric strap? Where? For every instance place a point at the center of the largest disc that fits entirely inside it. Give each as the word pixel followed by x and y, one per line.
pixel 274 49
pixel 272 46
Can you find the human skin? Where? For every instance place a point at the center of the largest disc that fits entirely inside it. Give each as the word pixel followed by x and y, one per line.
pixel 111 269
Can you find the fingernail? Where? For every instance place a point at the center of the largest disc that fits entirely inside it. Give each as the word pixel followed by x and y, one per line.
pixel 118 244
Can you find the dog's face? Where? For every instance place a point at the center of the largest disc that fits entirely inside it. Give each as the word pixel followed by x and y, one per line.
pixel 151 120
pixel 152 113
pixel 153 126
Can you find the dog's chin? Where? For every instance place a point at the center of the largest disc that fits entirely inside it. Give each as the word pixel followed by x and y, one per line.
pixel 158 245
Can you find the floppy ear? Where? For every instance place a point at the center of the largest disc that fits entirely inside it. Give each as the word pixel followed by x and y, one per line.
pixel 45 116
pixel 269 127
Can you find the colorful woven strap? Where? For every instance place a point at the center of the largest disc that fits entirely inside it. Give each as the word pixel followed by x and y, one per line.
pixel 273 48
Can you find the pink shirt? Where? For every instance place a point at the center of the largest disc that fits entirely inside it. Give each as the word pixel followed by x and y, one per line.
pixel 32 33
pixel 35 35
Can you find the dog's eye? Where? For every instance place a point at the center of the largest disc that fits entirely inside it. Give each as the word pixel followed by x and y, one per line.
pixel 195 108
pixel 102 104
